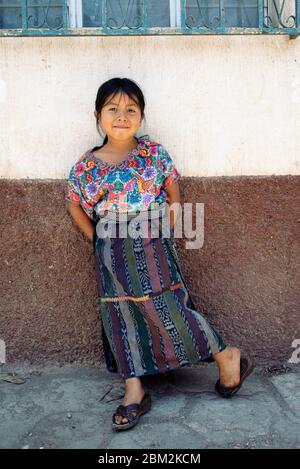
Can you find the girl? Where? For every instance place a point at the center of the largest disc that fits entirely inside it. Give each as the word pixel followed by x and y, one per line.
pixel 149 322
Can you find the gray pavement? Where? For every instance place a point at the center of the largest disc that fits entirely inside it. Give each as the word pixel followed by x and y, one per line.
pixel 72 407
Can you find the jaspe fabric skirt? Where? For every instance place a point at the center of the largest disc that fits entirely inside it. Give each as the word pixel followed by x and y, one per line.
pixel 149 322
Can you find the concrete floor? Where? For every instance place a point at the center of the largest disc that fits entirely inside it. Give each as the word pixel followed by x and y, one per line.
pixel 72 407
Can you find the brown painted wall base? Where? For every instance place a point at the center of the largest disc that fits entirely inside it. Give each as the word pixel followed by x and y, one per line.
pixel 245 279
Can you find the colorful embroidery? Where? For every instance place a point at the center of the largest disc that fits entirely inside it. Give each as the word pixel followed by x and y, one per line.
pixel 138 182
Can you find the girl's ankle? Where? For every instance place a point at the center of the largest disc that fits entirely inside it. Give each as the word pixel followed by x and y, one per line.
pixel 133 384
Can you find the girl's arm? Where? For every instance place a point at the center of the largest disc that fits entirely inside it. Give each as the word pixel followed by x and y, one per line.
pixel 81 219
pixel 173 194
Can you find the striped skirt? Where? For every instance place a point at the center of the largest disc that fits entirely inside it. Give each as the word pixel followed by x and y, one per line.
pixel 149 322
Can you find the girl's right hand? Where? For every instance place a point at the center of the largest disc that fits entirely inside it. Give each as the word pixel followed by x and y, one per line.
pixel 82 220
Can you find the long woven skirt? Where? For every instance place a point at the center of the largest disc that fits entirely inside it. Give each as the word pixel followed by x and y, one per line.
pixel 149 322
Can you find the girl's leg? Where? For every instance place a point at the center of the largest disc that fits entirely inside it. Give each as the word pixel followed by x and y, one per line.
pixel 134 393
pixel 228 362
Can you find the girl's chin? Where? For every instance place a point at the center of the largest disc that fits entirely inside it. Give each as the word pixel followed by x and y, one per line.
pixel 126 133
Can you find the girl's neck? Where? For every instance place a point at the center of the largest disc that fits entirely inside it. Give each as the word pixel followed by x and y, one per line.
pixel 120 147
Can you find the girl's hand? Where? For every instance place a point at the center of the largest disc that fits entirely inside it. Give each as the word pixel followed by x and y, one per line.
pixel 81 219
pixel 173 193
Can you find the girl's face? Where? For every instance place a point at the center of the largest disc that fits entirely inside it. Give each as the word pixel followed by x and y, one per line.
pixel 120 117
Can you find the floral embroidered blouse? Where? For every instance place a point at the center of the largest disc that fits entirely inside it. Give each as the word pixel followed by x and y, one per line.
pixel 138 182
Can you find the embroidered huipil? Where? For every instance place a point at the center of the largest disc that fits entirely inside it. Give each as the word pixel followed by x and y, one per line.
pixel 138 182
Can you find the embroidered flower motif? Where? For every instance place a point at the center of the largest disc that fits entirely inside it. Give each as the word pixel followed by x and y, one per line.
pixel 79 169
pixel 149 172
pixel 101 192
pixel 90 164
pixel 74 197
pixel 147 198
pixel 153 150
pixel 100 172
pixel 144 152
pixel 92 189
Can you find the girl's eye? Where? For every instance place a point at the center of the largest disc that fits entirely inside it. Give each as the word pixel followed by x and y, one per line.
pixel 113 109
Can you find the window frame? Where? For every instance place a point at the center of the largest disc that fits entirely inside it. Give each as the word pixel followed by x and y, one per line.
pixel 71 14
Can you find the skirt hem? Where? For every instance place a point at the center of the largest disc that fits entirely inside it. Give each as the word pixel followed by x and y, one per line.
pixel 208 359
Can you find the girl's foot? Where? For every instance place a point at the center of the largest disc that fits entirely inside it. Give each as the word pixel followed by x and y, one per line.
pixel 134 394
pixel 228 362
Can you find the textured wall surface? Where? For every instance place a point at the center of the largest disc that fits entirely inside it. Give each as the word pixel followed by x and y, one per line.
pixel 222 105
pixel 245 279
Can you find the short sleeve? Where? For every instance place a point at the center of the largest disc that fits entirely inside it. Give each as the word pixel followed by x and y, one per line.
pixel 73 193
pixel 171 174
pixel 76 192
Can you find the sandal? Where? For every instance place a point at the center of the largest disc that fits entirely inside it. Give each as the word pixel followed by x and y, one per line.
pixel 246 367
pixel 127 412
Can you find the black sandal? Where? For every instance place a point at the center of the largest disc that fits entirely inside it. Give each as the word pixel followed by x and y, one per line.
pixel 246 368
pixel 127 412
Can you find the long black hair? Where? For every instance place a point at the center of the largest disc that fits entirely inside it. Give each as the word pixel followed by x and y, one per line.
pixel 114 86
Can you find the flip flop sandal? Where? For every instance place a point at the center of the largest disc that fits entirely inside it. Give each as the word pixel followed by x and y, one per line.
pixel 127 412
pixel 246 367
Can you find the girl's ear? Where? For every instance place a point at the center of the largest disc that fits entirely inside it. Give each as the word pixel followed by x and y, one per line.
pixel 95 114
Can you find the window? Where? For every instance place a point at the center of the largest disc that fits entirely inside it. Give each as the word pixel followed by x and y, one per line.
pixel 125 13
pixel 236 13
pixel 11 15
pixel 37 14
pixel 93 17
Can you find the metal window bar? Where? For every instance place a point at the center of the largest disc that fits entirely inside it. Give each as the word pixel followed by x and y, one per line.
pixel 24 15
pixel 274 17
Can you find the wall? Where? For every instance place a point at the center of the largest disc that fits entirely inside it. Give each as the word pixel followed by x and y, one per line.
pixel 227 109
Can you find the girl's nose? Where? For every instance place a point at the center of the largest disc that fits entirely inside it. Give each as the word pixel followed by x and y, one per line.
pixel 121 119
pixel 121 114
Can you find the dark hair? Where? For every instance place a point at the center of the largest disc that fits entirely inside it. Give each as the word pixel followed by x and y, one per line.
pixel 114 86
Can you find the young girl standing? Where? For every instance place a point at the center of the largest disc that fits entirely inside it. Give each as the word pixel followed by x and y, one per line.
pixel 149 322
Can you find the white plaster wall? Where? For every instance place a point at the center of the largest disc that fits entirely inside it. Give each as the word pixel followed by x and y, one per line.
pixel 221 105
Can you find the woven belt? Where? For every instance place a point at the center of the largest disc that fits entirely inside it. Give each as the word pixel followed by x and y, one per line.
pixel 139 298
